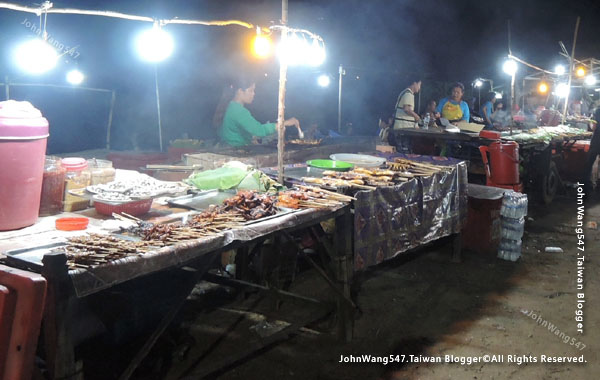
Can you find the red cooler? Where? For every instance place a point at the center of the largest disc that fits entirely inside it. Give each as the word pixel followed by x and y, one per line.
pixel 23 135
pixel 502 168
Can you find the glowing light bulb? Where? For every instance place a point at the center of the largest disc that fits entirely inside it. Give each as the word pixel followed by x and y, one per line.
pixel 580 72
pixel 590 80
pixel 323 80
pixel 478 83
pixel 510 67
pixel 154 45
pixel 316 55
pixel 75 77
pixel 36 56
pixel 562 90
pixel 559 70
pixel 261 45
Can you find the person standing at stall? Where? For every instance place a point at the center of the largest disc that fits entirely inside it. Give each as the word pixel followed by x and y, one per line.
pixel 453 108
pixel 237 125
pixel 488 110
pixel 593 153
pixel 405 116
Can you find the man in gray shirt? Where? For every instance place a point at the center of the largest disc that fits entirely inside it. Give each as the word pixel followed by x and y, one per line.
pixel 406 117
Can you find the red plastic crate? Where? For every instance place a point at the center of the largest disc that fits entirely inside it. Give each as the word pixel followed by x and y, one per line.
pixel 134 208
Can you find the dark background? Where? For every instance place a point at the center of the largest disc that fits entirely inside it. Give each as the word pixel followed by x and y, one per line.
pixel 381 43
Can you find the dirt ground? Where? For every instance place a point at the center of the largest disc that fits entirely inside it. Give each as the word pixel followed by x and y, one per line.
pixel 423 305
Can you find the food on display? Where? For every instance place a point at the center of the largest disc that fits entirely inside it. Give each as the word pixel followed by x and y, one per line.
pixel 311 197
pixel 142 187
pixel 305 142
pixel 338 183
pixel 94 249
pixel 77 178
pixel 235 212
pixel 102 171
pixel 251 205
pixel 409 169
pixel 547 134
pixel 53 187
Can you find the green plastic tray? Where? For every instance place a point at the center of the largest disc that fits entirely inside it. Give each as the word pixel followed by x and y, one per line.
pixel 340 166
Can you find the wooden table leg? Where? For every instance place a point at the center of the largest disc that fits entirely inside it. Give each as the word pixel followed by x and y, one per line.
pixel 59 349
pixel 344 228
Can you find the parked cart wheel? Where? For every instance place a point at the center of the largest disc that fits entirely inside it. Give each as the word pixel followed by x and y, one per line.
pixel 550 183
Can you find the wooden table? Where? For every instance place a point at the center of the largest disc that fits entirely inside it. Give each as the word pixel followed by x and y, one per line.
pixel 66 286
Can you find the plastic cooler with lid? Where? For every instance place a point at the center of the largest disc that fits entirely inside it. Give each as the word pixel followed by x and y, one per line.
pixel 23 136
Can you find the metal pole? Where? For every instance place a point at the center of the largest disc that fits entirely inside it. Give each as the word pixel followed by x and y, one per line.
pixel 281 101
pixel 160 140
pixel 512 101
pixel 523 96
pixel 571 67
pixel 479 99
pixel 341 72
pixel 110 118
pixel 6 88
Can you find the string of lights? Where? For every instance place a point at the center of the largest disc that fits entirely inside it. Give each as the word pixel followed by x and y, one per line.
pixel 157 45
pixel 47 8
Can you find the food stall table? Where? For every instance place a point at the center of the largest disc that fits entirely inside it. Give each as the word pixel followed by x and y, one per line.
pixel 66 286
pixel 266 155
pixel 543 160
pixel 391 220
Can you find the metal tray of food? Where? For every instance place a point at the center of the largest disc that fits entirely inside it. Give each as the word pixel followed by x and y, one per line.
pixel 30 258
pixel 201 201
pixel 280 212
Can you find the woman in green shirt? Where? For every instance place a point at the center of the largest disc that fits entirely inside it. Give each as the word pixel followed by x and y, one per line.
pixel 238 126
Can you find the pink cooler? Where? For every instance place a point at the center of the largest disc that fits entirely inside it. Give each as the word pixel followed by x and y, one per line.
pixel 23 135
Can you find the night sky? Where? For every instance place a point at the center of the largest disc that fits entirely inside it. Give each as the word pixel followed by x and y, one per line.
pixel 383 43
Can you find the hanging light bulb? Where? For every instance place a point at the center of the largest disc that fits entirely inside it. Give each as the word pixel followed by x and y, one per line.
pixel 36 56
pixel 590 80
pixel 543 88
pixel 559 70
pixel 580 72
pixel 75 77
pixel 510 67
pixel 292 51
pixel 154 45
pixel 316 53
pixel 478 83
pixel 323 80
pixel 261 45
pixel 562 90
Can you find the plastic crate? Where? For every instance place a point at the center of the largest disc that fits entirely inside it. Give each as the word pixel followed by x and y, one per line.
pixel 134 208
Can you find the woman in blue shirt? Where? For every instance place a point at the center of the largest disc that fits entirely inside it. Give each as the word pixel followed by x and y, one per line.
pixel 453 107
pixel 488 109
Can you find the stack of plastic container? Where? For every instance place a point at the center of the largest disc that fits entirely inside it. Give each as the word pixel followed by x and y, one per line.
pixel 513 212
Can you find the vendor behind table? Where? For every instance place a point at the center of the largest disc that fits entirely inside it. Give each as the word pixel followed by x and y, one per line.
pixel 237 125
pixel 487 110
pixel 453 108
pixel 430 115
pixel 405 116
